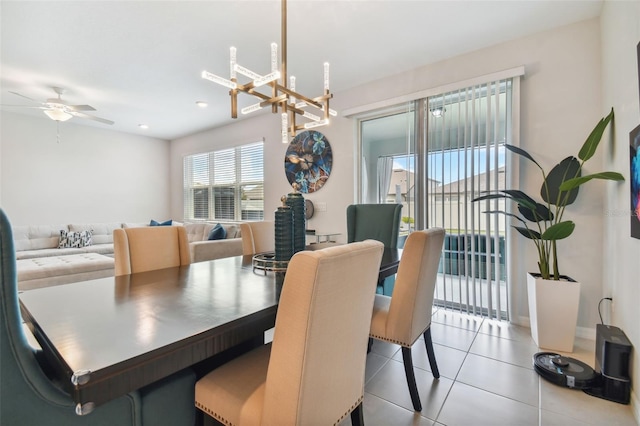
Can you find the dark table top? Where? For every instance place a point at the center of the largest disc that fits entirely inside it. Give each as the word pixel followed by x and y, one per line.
pixel 99 335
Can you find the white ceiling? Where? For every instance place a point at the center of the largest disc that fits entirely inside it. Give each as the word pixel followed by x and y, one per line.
pixel 140 61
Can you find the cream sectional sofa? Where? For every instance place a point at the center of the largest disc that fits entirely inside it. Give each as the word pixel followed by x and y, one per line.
pixel 40 263
pixel 204 249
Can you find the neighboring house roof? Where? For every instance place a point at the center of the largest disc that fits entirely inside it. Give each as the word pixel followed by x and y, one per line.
pixel 479 184
pixel 403 177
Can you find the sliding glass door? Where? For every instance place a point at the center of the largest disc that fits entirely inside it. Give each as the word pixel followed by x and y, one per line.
pixel 434 156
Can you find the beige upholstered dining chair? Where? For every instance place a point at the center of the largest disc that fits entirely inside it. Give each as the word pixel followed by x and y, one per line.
pixel 149 248
pixel 406 315
pixel 313 371
pixel 257 237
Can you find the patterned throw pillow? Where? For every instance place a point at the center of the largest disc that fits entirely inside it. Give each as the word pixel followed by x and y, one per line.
pixel 75 239
pixel 165 223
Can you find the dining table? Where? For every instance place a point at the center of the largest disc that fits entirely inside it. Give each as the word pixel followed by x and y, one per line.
pixel 106 337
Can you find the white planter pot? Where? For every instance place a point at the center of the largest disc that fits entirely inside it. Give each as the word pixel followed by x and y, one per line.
pixel 553 312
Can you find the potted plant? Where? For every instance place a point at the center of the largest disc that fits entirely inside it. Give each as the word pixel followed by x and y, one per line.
pixel 553 305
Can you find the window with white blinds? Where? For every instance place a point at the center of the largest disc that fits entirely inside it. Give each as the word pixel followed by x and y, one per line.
pixel 466 133
pixel 225 185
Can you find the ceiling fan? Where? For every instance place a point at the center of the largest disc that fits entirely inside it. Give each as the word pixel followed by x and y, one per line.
pixel 59 110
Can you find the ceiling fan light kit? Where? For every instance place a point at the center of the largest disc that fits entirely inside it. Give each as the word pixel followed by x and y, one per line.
pixel 282 97
pixel 57 114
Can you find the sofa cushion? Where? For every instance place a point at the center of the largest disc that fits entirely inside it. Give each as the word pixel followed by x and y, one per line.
pixel 197 231
pixel 102 232
pixel 106 249
pixel 37 237
pixel 233 230
pixel 49 252
pixel 217 233
pixel 134 224
pixel 29 269
pixel 74 239
pixel 156 223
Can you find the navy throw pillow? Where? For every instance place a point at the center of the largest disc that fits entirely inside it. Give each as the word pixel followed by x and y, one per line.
pixel 217 233
pixel 156 223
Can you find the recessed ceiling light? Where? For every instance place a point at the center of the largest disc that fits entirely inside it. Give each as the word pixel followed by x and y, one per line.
pixel 202 104
pixel 438 111
pixel 143 126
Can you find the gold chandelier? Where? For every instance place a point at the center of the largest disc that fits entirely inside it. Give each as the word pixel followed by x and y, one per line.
pixel 281 98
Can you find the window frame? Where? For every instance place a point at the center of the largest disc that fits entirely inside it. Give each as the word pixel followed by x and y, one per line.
pixel 202 171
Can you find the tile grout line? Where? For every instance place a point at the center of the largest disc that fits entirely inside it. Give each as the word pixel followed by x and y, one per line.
pixel 455 379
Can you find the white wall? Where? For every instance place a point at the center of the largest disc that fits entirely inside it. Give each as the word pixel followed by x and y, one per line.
pixel 620 34
pixel 561 102
pixel 92 175
pixel 336 193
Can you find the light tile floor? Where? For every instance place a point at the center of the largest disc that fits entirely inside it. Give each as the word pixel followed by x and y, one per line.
pixel 486 378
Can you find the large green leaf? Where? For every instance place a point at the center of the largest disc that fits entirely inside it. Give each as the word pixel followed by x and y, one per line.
pixel 538 213
pixel 529 233
pixel 550 192
pixel 492 196
pixel 574 183
pixel 559 231
pixel 515 216
pixel 522 153
pixel 591 144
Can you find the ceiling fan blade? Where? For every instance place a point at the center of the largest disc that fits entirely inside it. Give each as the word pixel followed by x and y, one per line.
pixel 23 96
pixel 25 106
pixel 91 117
pixel 81 107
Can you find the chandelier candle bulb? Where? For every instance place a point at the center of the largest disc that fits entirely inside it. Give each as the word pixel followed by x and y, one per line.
pixel 274 57
pixel 216 79
pixel 311 116
pixel 312 124
pixel 285 124
pixel 326 76
pixel 247 72
pixel 332 112
pixel 232 61
pixel 251 108
pixel 292 86
pixel 262 80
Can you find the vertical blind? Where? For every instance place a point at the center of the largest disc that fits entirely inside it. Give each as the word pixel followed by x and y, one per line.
pixel 466 132
pixel 225 185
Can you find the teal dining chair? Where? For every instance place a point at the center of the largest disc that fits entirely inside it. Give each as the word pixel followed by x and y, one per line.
pixel 29 397
pixel 379 222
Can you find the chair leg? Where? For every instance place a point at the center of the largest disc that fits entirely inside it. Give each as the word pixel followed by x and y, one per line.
pixel 411 378
pixel 432 356
pixel 357 416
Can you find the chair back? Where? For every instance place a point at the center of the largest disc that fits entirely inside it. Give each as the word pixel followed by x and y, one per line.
pixel 318 354
pixel 149 248
pixel 257 237
pixel 374 221
pixel 415 285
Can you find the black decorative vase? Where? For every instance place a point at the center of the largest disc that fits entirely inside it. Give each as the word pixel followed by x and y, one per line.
pixel 284 232
pixel 295 200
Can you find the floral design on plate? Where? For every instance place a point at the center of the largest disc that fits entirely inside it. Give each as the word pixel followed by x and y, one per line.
pixel 308 161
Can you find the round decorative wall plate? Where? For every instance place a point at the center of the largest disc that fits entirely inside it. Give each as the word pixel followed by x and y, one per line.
pixel 308 161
